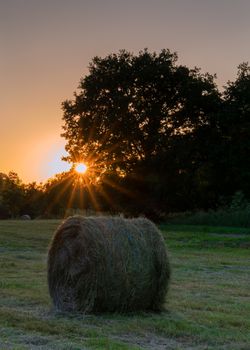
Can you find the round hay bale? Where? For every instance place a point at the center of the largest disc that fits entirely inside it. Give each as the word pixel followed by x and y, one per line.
pixel 107 264
pixel 25 217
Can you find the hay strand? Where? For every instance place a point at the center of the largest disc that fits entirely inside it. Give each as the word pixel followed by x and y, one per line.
pixel 107 264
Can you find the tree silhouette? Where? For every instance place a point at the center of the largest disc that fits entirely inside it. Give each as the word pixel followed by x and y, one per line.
pixel 142 120
pixel 235 131
pixel 12 194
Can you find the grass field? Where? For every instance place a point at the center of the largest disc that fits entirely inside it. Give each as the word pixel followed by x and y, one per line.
pixel 208 305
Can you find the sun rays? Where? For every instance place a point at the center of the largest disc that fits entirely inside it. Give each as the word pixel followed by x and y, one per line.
pixel 91 182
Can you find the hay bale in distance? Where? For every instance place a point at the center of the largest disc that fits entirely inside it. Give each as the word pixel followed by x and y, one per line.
pixel 107 264
pixel 25 217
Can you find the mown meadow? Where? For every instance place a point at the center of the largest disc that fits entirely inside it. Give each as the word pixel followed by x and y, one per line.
pixel 207 307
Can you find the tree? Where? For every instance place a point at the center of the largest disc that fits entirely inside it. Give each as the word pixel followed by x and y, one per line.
pixel 33 200
pixel 235 130
pixel 4 209
pixel 17 198
pixel 12 194
pixel 130 116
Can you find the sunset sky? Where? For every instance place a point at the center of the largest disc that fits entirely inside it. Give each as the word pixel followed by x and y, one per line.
pixel 46 46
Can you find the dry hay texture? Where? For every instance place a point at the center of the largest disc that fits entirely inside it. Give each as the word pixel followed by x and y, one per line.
pixel 108 264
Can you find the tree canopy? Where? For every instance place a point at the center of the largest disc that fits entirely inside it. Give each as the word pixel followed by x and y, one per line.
pixel 235 134
pixel 142 121
pixel 130 107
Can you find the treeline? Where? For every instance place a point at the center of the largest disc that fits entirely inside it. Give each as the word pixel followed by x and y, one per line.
pixel 157 136
pixel 55 198
pixel 65 194
pixel 17 199
pixel 161 135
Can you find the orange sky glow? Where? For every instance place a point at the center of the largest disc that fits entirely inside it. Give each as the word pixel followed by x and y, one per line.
pixel 46 47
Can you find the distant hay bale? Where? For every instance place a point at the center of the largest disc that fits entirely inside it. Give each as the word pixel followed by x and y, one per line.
pixel 25 217
pixel 107 264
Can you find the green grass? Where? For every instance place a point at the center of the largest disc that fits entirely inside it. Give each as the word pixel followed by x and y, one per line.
pixel 235 217
pixel 208 305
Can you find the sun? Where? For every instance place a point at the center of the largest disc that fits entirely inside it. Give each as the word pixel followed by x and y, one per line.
pixel 81 168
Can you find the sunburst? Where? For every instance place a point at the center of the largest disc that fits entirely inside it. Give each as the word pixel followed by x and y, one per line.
pixel 81 168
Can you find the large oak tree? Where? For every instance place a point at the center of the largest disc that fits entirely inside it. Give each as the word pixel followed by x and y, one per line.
pixel 144 122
